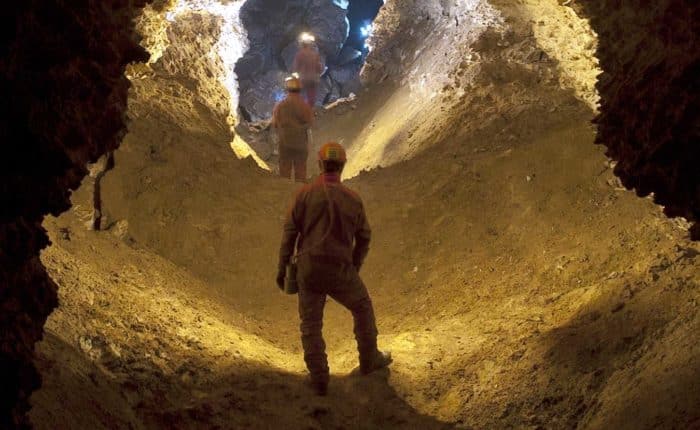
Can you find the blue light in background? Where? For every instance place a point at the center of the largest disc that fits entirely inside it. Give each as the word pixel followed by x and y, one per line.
pixel 365 32
pixel 361 13
pixel 278 95
pixel 366 29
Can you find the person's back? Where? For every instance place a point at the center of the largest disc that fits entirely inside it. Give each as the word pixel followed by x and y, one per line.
pixel 307 63
pixel 334 223
pixel 327 222
pixel 291 119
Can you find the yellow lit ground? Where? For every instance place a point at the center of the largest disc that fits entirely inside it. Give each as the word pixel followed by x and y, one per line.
pixel 514 280
pixel 504 282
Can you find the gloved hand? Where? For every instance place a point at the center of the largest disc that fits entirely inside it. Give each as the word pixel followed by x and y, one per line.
pixel 280 278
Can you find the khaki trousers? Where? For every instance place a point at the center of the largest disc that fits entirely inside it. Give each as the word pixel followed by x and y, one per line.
pixel 342 283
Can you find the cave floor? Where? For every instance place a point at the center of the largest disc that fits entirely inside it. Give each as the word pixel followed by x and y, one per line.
pixel 506 286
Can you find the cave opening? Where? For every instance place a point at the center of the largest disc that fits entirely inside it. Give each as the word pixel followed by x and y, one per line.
pixel 510 269
pixel 273 28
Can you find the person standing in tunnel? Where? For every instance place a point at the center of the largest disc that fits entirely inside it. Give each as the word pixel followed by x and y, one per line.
pixel 292 119
pixel 307 64
pixel 328 225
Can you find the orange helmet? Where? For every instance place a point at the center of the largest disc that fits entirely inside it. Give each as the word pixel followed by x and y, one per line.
pixel 292 83
pixel 332 151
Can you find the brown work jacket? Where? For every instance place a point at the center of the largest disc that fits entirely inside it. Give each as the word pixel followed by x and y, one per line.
pixel 307 63
pixel 292 117
pixel 345 239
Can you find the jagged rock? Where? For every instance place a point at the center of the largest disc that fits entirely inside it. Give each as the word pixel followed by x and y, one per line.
pixel 330 25
pixel 328 91
pixel 347 78
pixel 347 55
pixel 273 27
pixel 63 67
pixel 648 112
pixel 261 94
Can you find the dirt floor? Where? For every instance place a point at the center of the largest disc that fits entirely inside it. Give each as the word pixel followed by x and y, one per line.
pixel 505 285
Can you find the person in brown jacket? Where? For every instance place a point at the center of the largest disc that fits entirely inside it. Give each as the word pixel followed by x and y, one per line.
pixel 328 225
pixel 307 64
pixel 292 118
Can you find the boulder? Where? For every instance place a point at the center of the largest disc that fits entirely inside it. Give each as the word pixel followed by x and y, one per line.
pixel 259 95
pixel 347 55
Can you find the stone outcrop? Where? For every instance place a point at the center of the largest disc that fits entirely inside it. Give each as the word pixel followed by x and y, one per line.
pixel 649 98
pixel 64 96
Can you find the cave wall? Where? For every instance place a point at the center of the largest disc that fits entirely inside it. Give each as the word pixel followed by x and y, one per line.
pixel 64 94
pixel 646 95
pixel 273 27
pixel 650 56
pixel 64 97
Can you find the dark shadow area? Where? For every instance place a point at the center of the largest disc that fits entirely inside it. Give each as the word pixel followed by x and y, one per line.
pixel 80 393
pixel 77 393
pixel 624 361
pixel 232 401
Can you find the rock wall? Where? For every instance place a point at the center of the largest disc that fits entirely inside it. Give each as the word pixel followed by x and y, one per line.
pixel 649 98
pixel 647 89
pixel 64 96
pixel 273 27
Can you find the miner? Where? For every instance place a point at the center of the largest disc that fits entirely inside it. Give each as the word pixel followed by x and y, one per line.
pixel 292 118
pixel 328 225
pixel 307 64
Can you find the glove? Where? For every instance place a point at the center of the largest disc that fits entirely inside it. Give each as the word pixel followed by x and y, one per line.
pixel 280 278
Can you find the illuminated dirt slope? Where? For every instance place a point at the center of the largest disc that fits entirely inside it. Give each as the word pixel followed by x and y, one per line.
pixel 507 278
pixel 506 300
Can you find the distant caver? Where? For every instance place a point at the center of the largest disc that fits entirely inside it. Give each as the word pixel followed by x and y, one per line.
pixel 292 119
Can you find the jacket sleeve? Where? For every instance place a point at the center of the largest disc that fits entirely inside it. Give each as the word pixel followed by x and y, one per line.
pixel 290 233
pixel 363 235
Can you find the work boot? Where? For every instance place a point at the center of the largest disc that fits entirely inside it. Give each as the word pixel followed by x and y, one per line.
pixel 380 360
pixel 320 388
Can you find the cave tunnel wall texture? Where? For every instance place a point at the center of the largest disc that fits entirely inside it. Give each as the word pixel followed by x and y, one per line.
pixel 273 27
pixel 64 97
pixel 650 56
pixel 64 100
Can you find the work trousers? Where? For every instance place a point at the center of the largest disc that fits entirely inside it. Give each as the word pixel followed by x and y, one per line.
pixel 293 159
pixel 342 283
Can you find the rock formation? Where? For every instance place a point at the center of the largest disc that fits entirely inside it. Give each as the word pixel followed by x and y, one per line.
pixel 273 27
pixel 65 96
pixel 649 99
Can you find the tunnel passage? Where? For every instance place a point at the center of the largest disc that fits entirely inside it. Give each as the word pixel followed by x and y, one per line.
pixel 28 295
pixel 273 27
